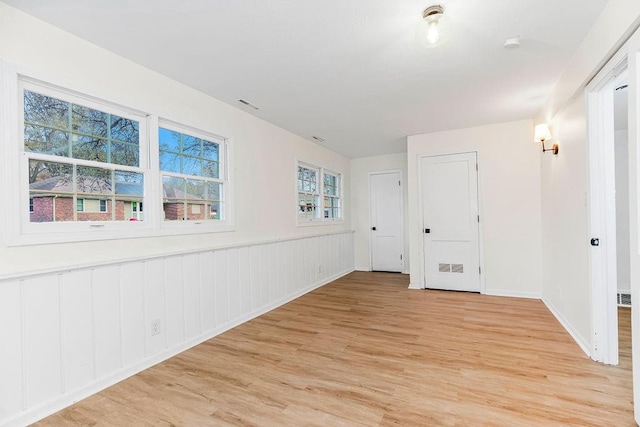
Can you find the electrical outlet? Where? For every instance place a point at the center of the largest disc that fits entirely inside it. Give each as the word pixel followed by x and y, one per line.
pixel 155 327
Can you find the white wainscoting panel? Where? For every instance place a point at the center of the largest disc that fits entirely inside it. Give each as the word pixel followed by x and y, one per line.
pixel 12 399
pixel 42 339
pixel 107 337
pixel 132 310
pixel 76 327
pixel 69 333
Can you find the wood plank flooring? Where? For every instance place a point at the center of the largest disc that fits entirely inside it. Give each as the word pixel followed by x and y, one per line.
pixel 366 351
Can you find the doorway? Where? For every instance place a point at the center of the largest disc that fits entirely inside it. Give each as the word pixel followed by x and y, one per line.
pixel 608 206
pixel 450 222
pixel 387 221
pixel 623 68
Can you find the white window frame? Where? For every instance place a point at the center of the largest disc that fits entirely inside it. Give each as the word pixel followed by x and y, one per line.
pixel 222 224
pixel 338 177
pixel 74 229
pixel 21 231
pixel 319 219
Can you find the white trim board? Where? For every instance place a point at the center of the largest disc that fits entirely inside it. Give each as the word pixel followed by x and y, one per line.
pixel 512 294
pixel 586 348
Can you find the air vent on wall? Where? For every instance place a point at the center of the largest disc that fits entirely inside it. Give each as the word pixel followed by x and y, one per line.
pixel 248 104
pixel 457 268
pixel 450 268
pixel 624 299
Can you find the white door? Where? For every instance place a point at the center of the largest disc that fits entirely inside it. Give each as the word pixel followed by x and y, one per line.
pixel 387 229
pixel 449 187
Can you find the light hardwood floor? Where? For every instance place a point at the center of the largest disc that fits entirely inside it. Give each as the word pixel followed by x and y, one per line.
pixel 365 350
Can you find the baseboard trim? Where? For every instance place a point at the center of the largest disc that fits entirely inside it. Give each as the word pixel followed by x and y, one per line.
pixel 52 406
pixel 415 286
pixel 512 294
pixel 586 348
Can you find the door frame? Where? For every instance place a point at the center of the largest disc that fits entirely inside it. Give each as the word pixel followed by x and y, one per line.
pixel 402 225
pixel 602 208
pixel 423 276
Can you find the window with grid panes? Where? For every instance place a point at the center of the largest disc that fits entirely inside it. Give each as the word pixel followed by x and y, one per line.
pixel 192 175
pixel 76 151
pixel 332 208
pixel 308 193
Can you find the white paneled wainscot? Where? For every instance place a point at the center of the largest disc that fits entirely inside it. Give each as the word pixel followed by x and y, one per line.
pixel 67 334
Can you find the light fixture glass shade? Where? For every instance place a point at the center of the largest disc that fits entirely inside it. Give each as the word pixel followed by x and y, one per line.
pixel 542 132
pixel 432 33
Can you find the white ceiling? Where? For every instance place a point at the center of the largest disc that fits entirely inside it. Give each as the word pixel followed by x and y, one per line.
pixel 349 71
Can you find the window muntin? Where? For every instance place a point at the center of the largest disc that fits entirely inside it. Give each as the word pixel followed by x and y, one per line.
pixel 308 192
pixel 192 175
pixel 76 152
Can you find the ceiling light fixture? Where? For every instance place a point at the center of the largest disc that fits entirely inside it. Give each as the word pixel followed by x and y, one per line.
pixel 431 17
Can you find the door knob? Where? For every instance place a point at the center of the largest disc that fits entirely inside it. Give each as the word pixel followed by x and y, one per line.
pixel 373 228
pixel 427 230
pixel 595 242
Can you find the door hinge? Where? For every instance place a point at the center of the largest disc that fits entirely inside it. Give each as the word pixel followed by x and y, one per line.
pixel 399 183
pixel 400 257
pixel 479 270
pixel 476 166
pixel 478 218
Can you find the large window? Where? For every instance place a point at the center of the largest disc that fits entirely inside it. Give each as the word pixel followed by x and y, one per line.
pixel 314 182
pixel 76 152
pixel 192 175
pixel 88 166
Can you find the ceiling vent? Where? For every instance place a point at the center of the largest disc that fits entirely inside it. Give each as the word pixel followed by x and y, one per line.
pixel 248 104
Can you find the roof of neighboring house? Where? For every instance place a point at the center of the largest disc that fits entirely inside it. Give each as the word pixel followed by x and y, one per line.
pixel 64 184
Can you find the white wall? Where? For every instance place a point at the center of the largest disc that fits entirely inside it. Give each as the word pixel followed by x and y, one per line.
pixel 565 241
pixel 565 235
pixel 264 154
pixel 509 193
pixel 622 208
pixel 360 170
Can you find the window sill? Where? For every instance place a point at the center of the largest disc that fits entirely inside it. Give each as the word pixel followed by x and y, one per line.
pixel 102 231
pixel 319 222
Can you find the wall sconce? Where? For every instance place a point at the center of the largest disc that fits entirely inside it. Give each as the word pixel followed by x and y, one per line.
pixel 542 133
